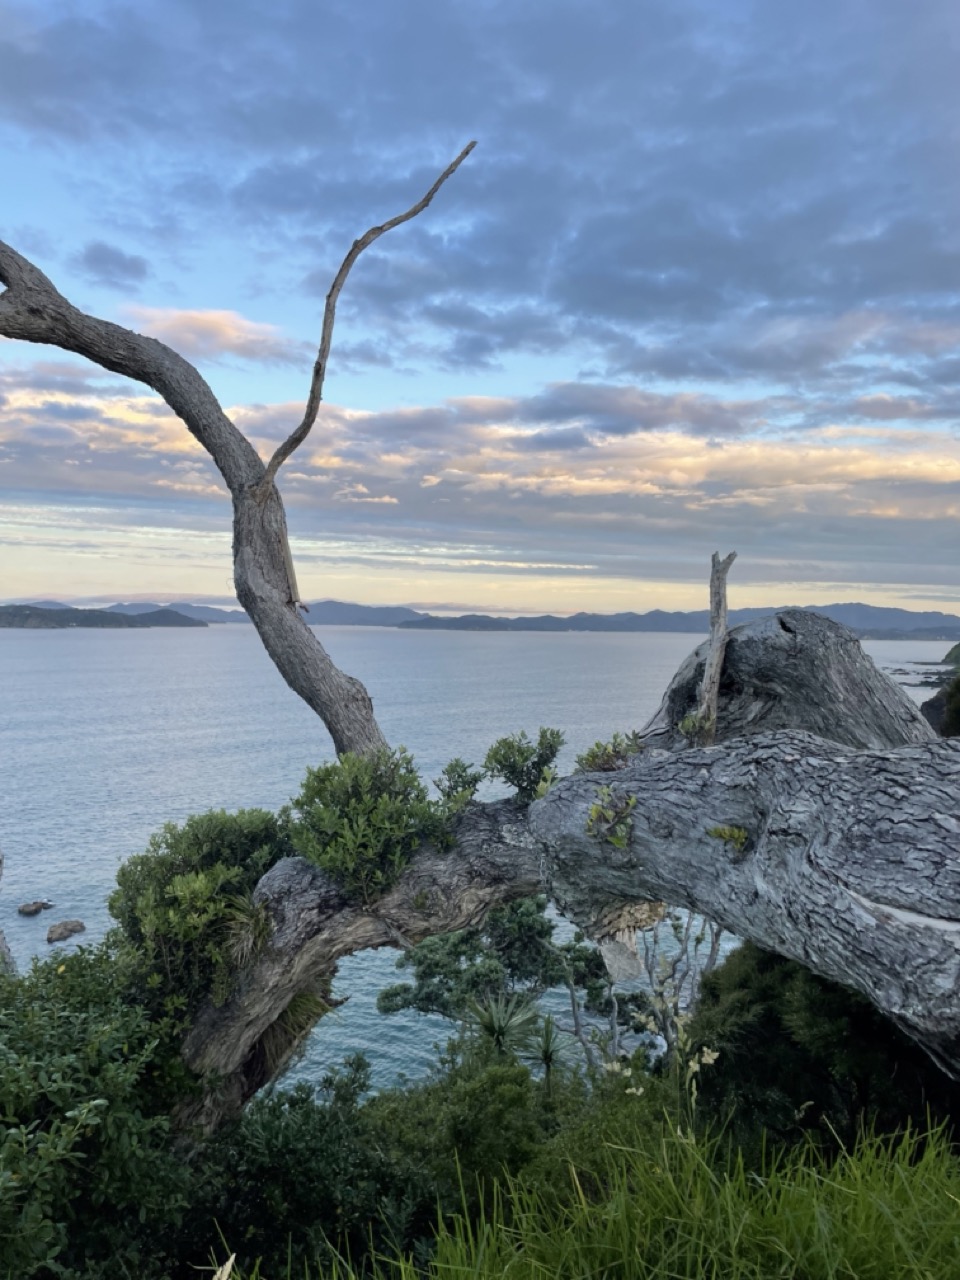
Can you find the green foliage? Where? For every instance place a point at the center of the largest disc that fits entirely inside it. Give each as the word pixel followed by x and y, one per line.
pixel 300 1175
pixel 800 1055
pixel 523 763
pixel 691 726
pixel 735 838
pixel 464 1129
pixel 362 818
pixel 951 715
pixel 672 1206
pixel 86 1174
pixel 507 1026
pixel 458 783
pixel 183 904
pixel 607 757
pixel 609 817
pixel 513 952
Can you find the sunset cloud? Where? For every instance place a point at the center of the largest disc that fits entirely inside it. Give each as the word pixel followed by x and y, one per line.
pixel 697 287
pixel 212 335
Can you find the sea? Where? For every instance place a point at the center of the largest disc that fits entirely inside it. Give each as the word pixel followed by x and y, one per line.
pixel 107 735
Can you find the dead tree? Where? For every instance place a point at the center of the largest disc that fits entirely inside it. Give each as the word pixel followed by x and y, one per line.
pixel 825 823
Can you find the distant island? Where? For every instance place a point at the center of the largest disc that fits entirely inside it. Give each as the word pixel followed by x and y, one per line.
pixel 871 622
pixel 33 617
pixel 867 621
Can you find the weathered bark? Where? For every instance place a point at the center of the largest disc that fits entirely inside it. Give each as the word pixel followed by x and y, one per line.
pixel 32 310
pixel 792 670
pixel 847 860
pixel 850 861
pixel 716 647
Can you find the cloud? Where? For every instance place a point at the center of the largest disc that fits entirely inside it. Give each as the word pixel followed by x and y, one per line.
pixel 105 265
pixel 699 280
pixel 212 335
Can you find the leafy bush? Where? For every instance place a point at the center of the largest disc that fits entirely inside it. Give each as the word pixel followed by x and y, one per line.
pixel 457 783
pixel 606 757
pixel 522 763
pixel 512 952
pixel 464 1129
pixel 301 1174
pixel 800 1055
pixel 362 819
pixel 87 1179
pixel 184 905
pixel 610 818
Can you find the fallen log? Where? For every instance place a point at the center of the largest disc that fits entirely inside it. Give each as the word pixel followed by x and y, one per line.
pixel 845 859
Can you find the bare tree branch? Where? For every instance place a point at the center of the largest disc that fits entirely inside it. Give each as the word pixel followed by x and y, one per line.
pixel 33 310
pixel 707 710
pixel 297 437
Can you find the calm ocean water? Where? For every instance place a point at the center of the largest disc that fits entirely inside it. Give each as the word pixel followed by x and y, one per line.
pixel 106 735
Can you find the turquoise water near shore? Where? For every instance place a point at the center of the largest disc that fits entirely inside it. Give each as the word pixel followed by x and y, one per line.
pixel 106 735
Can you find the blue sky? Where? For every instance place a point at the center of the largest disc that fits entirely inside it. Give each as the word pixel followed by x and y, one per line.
pixel 697 288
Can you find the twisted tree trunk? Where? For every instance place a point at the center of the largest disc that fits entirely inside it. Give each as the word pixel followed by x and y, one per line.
pixel 843 858
pixel 33 310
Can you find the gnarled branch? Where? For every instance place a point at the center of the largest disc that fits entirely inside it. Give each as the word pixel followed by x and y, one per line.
pixel 33 310
pixel 845 858
pixel 297 437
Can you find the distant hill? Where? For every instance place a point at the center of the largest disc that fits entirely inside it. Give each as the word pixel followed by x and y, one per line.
pixel 201 612
pixel 324 613
pixel 868 621
pixel 337 613
pixel 37 618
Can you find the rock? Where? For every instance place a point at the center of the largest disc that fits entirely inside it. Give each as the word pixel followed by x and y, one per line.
pixel 65 929
pixel 34 908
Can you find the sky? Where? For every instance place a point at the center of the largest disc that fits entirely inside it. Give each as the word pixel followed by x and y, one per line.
pixel 696 289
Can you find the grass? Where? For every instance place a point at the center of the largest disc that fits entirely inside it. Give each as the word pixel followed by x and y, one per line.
pixel 684 1208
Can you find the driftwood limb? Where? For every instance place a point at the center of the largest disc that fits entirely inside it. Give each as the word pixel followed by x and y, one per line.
pixel 706 717
pixel 297 437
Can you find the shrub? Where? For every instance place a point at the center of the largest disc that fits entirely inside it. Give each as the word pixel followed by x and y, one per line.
pixel 521 763
pixel 457 783
pixel 362 819
pixel 800 1055
pixel 606 757
pixel 87 1180
pixel 302 1174
pixel 184 904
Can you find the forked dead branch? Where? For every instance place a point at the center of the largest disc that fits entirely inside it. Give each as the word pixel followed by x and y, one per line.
pixel 846 808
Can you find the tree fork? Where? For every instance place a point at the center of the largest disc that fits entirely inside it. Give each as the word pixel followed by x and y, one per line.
pixel 33 310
